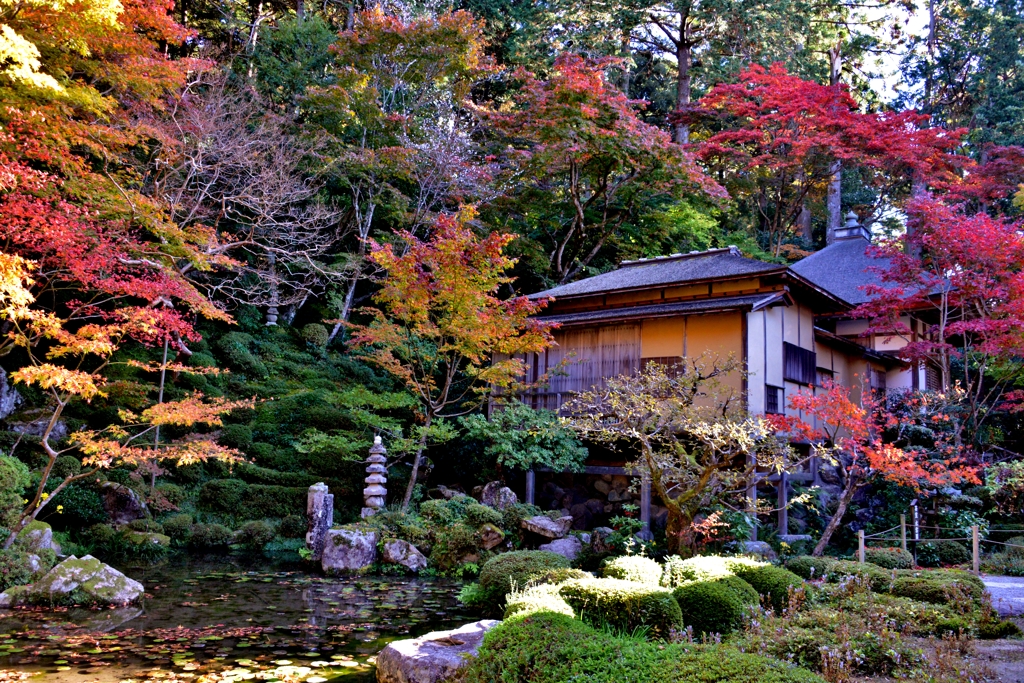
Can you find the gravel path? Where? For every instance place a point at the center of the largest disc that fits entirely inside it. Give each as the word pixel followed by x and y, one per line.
pixel 1007 594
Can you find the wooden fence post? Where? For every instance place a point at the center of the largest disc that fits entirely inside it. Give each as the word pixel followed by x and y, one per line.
pixel 976 550
pixel 903 532
pixel 860 545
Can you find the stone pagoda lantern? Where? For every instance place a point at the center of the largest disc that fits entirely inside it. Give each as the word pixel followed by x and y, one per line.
pixel 374 494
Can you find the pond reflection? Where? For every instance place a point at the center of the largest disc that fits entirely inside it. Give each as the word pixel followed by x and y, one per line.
pixel 215 621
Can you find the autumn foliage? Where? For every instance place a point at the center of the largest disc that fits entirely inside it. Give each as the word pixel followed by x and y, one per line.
pixel 850 436
pixel 440 321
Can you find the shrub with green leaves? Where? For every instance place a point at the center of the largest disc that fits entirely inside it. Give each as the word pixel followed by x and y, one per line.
pixel 451 544
pixel 937 591
pixel 209 536
pixel 293 526
pixel 634 568
pixel 315 335
pixel 889 558
pixel 14 568
pixel 809 567
pixel 14 478
pixel 974 586
pixel 715 606
pixel 623 605
pixel 179 527
pixel 703 568
pixel 554 648
pixel 478 515
pixel 255 535
pixel 773 583
pixel 878 578
pixel 543 597
pixel 516 569
pixel 446 512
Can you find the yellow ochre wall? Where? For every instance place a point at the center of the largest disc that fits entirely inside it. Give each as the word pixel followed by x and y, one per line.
pixel 717 335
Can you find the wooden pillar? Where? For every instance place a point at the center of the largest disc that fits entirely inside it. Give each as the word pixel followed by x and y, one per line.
pixel 783 504
pixel 903 532
pixel 645 505
pixel 975 550
pixel 860 546
pixel 752 505
pixel 531 486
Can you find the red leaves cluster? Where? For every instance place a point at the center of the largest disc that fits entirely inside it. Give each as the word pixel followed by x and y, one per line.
pixel 779 137
pixel 836 425
pixel 968 267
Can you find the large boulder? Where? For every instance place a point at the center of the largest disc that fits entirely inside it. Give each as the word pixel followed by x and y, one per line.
pixel 498 496
pixel 35 422
pixel 10 399
pixel 431 658
pixel 349 550
pixel 85 581
pixel 569 547
pixel 759 548
pixel 547 527
pixel 405 554
pixel 121 503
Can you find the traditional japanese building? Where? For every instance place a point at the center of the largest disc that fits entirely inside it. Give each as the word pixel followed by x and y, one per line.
pixel 790 326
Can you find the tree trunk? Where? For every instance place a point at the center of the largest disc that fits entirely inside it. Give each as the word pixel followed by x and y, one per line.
pixel 683 57
pixel 834 198
pixel 852 484
pixel 420 447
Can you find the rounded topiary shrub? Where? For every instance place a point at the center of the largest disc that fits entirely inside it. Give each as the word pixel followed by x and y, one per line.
pixel 535 599
pixel 773 583
pixel 501 574
pixel 878 578
pixel 315 335
pixel 179 527
pixel 477 515
pixel 293 526
pixel 634 568
pixel 889 558
pixel 554 648
pixel 14 568
pixel 938 586
pixel 209 536
pixel 255 535
pixel 623 605
pixel 809 567
pixel 952 553
pixel 715 606
pixel 974 586
pixel 703 568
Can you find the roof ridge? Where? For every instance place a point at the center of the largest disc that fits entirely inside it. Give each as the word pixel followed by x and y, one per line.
pixel 678 256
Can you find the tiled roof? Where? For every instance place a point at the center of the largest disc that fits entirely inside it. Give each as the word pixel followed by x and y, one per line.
pixel 721 303
pixel 842 268
pixel 666 270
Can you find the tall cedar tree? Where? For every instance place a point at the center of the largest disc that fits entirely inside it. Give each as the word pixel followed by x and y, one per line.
pixel 440 322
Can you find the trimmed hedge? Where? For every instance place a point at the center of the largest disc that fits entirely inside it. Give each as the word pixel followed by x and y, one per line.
pixel 889 558
pixel 809 567
pixel 974 586
pixel 703 568
pixel 634 568
pixel 501 574
pixel 553 648
pixel 251 501
pixel 771 582
pixel 535 599
pixel 715 606
pixel 623 605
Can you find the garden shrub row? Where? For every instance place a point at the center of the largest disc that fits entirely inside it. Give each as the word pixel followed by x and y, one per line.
pixel 623 605
pixel 251 501
pixel 554 648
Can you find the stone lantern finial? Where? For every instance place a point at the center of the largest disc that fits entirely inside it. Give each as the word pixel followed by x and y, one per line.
pixel 375 493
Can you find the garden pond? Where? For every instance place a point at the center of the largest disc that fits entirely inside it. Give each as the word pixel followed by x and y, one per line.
pixel 220 621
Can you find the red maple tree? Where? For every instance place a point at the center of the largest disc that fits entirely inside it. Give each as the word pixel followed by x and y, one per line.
pixel 775 139
pixel 848 435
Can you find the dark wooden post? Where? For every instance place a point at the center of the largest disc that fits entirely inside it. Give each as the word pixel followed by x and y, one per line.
pixel 783 504
pixel 531 486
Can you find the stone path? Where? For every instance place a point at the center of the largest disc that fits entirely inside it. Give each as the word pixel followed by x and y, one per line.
pixel 1007 594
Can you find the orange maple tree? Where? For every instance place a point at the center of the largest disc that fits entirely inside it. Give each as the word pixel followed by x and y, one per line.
pixel 440 322
pixel 849 435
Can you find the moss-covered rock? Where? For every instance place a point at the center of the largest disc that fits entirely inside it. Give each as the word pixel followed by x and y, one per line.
pixel 85 581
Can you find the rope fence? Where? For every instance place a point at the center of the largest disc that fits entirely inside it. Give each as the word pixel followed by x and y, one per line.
pixel 917 537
